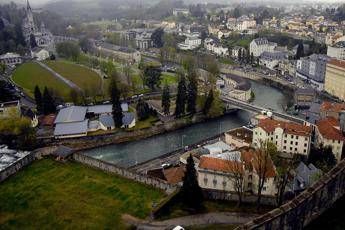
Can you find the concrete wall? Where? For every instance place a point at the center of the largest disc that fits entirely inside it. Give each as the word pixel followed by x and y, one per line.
pixel 307 206
pixel 108 167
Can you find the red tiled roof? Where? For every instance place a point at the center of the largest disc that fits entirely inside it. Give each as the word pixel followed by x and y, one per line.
pixel 252 157
pixel 338 63
pixel 174 175
pixel 217 164
pixel 328 130
pixel 269 125
pixel 332 107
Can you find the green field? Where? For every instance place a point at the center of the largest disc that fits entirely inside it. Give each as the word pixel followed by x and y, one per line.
pixel 82 76
pixel 53 195
pixel 30 74
pixel 168 78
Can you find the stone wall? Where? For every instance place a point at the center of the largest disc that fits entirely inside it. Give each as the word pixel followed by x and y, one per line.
pixel 307 206
pixel 108 167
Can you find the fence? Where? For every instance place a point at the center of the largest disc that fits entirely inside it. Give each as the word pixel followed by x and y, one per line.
pixel 108 167
pixel 306 207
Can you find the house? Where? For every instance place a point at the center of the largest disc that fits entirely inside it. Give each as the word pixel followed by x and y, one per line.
pixel 289 137
pixel 304 97
pixel 335 78
pixel 271 59
pixel 260 45
pixel 331 132
pixel 331 109
pixel 313 69
pixel 239 137
pixel 106 122
pixel 235 50
pixel 337 50
pixel 214 46
pixel 172 175
pixel 128 120
pixel 10 109
pixel 40 54
pixel 11 59
pixel 237 87
pixel 190 43
pixel 304 177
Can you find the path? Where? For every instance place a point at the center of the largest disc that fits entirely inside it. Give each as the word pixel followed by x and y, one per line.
pixel 229 218
pixel 58 76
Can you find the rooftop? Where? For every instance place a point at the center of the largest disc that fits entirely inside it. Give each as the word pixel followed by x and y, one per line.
pixel 332 107
pixel 71 128
pixel 71 114
pixel 269 125
pixel 100 109
pixel 329 129
pixel 241 133
pixel 338 63
pixel 128 118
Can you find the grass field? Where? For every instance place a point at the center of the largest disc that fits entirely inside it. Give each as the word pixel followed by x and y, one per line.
pixel 53 195
pixel 30 74
pixel 169 79
pixel 82 76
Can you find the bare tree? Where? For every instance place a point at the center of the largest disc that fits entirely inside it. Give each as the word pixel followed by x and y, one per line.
pixel 236 177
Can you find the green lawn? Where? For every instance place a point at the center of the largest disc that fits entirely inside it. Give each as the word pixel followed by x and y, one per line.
pixel 168 78
pixel 53 195
pixel 30 74
pixel 82 76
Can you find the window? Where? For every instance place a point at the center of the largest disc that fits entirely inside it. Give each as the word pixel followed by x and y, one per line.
pixel 306 138
pixel 205 180
pixel 295 149
pixel 291 136
pixel 271 138
pixel 263 188
pixel 296 137
pixel 305 144
pixel 224 183
pixel 305 151
pixel 291 142
pixel 290 148
pixel 296 143
pixel 250 177
pixel 276 136
pixel 285 135
pixel 285 141
pixel 284 147
pixel 214 182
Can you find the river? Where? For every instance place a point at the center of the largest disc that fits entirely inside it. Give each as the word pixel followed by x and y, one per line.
pixel 128 154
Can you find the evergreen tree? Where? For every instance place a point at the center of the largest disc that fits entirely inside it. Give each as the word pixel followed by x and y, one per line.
pixel 115 100
pixel 300 51
pixel 252 58
pixel 181 97
pixel 191 191
pixel 143 110
pixel 166 100
pixel 38 99
pixel 208 102
pixel 192 92
pixel 48 103
pixel 239 55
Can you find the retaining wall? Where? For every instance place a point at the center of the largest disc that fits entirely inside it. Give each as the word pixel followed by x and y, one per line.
pixel 108 167
pixel 307 206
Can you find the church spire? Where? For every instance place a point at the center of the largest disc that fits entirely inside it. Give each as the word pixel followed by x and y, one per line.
pixel 28 7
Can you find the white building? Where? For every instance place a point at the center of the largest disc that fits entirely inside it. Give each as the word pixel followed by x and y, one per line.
pixel 337 51
pixel 215 47
pixel 235 50
pixel 244 23
pixel 260 45
pixel 289 137
pixel 190 43
pixel 11 59
pixel 272 59
pixel 180 11
pixel 330 132
pixel 40 54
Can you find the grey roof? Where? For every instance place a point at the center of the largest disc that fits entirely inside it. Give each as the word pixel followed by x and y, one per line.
pixel 71 128
pixel 304 176
pixel 100 109
pixel 275 55
pixel 71 114
pixel 128 118
pixel 107 120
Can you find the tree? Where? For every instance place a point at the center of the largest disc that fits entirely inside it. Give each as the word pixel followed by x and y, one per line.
pixel 239 55
pixel 2 68
pixel 217 106
pixel 48 103
pixel 322 157
pixel 115 100
pixel 236 177
pixel 152 76
pixel 38 99
pixel 68 50
pixel 191 191
pixel 143 110
pixel 181 97
pixel 157 37
pixel 208 102
pixel 251 58
pixel 85 44
pixel 192 93
pixel 74 95
pixel 300 51
pixel 166 100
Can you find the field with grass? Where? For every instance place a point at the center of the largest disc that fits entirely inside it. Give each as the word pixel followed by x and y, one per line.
pixel 169 79
pixel 30 74
pixel 82 76
pixel 53 195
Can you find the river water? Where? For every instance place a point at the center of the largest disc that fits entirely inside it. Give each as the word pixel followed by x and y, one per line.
pixel 129 154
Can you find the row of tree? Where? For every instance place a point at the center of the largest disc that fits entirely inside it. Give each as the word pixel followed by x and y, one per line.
pixel 45 103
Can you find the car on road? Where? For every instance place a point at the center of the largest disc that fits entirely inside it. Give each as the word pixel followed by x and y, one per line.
pixel 166 165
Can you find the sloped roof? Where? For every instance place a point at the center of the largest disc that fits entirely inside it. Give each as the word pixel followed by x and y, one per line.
pixel 269 125
pixel 71 128
pixel 99 109
pixel 217 164
pixel 329 129
pixel 332 107
pixel 107 120
pixel 128 118
pixel 252 158
pixel 71 114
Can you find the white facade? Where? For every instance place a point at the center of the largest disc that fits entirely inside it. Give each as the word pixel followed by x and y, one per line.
pixel 11 59
pixel 190 44
pixel 336 52
pixel 260 45
pixel 40 55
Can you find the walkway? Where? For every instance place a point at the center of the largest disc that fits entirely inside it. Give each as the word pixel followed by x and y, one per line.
pixel 228 218
pixel 58 76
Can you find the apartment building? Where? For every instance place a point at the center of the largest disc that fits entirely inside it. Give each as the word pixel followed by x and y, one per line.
pixel 335 78
pixel 289 137
pixel 337 51
pixel 260 45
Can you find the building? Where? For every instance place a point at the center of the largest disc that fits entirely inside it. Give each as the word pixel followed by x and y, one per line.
pixel 180 11
pixel 260 45
pixel 235 50
pixel 331 132
pixel 172 175
pixel 304 97
pixel 10 109
pixel 39 54
pixel 11 59
pixel 313 69
pixel 291 138
pixel 215 172
pixel 106 122
pixel 244 23
pixel 239 138
pixel 143 40
pixel 337 50
pixel 335 78
pixel 272 59
pixel 128 120
pixel 304 177
pixel 123 53
pixel 331 109
pixel 237 87
pixel 42 36
pixel 214 46
pixel 190 43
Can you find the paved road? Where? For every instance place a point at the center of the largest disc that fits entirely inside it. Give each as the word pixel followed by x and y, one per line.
pixel 58 76
pixel 230 218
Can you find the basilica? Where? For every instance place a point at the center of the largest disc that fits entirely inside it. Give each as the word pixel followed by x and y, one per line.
pixel 43 37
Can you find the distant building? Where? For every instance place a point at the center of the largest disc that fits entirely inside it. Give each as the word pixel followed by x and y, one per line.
pixel 10 109
pixel 304 177
pixel 39 54
pixel 215 47
pixel 337 51
pixel 11 59
pixel 180 11
pixel 240 137
pixel 289 137
pixel 304 97
pixel 272 59
pixel 235 50
pixel 190 43
pixel 122 53
pixel 237 87
pixel 330 109
pixel 335 78
pixel 313 69
pixel 260 45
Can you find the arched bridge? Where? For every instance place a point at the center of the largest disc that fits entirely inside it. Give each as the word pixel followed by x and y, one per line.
pixel 257 109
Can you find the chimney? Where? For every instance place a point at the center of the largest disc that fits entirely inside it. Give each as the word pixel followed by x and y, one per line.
pixel 342 121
